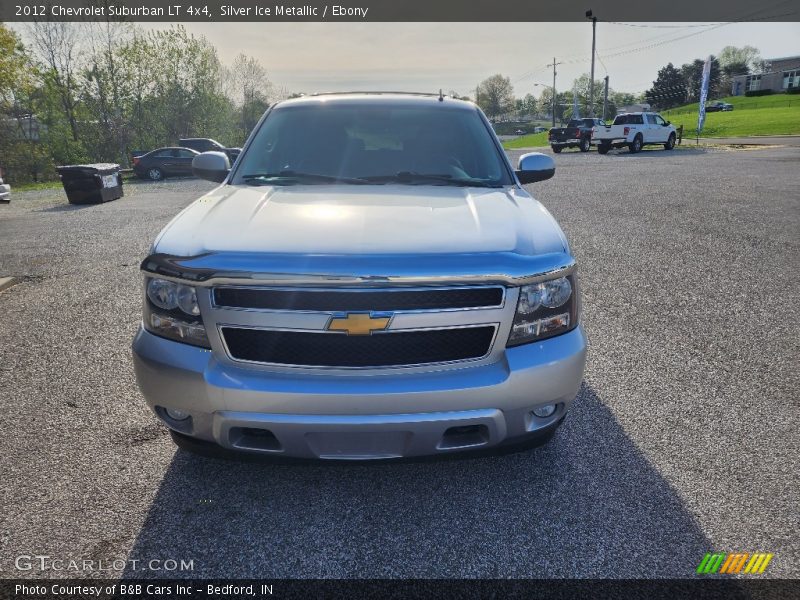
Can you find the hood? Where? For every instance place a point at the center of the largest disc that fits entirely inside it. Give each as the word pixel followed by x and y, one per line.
pixel 369 219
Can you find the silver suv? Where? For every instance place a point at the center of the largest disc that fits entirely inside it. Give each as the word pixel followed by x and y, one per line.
pixel 369 281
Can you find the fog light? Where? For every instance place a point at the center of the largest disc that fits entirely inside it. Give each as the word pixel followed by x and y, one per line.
pixel 544 411
pixel 176 414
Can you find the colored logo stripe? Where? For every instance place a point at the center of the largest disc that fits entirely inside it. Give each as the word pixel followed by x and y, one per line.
pixel 732 563
pixel 758 563
pixel 711 563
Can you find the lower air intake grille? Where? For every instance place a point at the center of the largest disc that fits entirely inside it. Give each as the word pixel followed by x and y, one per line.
pixel 383 349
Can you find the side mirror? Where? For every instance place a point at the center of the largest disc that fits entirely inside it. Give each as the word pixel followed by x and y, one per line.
pixel 667 123
pixel 213 166
pixel 534 167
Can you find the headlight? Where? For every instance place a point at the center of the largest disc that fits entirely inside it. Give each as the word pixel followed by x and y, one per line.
pixel 544 309
pixel 187 300
pixel 168 295
pixel 164 294
pixel 171 311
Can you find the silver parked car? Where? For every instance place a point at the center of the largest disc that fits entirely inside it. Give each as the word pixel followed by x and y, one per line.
pixel 370 281
pixel 5 192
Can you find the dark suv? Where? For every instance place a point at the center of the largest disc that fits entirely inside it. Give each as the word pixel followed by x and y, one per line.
pixel 209 145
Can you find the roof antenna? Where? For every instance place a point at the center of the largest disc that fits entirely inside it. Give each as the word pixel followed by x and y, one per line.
pixel 441 98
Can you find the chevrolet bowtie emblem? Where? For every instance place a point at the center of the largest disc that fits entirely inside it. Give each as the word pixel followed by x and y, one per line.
pixel 359 323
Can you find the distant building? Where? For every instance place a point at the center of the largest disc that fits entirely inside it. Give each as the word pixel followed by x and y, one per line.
pixel 27 127
pixel 782 74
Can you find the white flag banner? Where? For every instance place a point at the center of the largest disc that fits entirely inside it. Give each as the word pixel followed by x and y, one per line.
pixel 701 113
pixel 576 114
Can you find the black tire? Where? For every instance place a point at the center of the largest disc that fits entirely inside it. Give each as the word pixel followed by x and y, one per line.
pixel 556 149
pixel 603 148
pixel 636 145
pixel 585 144
pixel 670 142
pixel 155 174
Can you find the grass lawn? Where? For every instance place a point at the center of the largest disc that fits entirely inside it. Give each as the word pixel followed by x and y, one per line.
pixel 42 185
pixel 759 115
pixel 527 141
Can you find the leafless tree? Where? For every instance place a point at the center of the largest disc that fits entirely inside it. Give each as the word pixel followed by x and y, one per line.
pixel 58 45
pixel 249 80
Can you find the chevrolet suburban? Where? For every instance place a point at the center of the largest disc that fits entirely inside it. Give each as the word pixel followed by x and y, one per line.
pixel 370 280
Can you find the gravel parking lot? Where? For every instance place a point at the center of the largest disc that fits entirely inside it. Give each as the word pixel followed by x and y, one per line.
pixel 684 438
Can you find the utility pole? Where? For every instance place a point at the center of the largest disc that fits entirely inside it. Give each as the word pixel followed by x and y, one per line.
pixel 605 98
pixel 589 15
pixel 554 88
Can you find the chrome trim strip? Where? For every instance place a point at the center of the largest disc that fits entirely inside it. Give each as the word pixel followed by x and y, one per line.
pixel 215 306
pixel 506 268
pixel 495 326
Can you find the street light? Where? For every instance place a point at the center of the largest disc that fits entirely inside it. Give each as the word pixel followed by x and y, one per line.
pixel 591 16
pixel 553 87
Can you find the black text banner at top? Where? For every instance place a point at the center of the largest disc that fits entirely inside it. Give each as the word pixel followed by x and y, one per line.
pixel 678 11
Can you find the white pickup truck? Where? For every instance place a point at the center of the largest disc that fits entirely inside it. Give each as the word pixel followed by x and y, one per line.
pixel 634 130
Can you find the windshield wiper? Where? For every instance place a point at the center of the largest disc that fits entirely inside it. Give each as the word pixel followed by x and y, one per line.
pixel 414 178
pixel 288 177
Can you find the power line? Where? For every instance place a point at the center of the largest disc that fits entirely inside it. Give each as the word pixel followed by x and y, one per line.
pixel 605 70
pixel 748 17
pixel 529 73
pixel 648 26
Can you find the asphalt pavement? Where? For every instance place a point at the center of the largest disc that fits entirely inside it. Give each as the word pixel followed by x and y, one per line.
pixel 757 140
pixel 684 439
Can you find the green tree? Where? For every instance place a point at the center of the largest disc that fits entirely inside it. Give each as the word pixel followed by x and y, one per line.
pixel 22 157
pixel 546 101
pixel 105 90
pixel 581 85
pixel 669 89
pixel 14 68
pixel 527 106
pixel 58 47
pixel 496 95
pixel 693 73
pixel 746 55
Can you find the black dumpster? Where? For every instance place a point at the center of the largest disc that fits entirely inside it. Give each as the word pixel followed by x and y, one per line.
pixel 91 184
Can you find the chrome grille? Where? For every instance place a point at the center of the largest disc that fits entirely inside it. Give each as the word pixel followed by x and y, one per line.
pixel 291 327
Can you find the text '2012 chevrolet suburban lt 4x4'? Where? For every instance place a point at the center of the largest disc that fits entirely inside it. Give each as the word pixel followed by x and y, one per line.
pixel 369 281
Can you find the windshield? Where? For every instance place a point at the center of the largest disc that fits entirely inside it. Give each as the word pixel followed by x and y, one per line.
pixel 373 144
pixel 629 120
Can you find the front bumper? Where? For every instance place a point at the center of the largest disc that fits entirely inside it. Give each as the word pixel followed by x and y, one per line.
pixel 360 416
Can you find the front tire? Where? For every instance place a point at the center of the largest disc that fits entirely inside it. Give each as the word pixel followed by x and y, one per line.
pixel 586 145
pixel 556 149
pixel 155 174
pixel 670 142
pixel 636 145
pixel 603 148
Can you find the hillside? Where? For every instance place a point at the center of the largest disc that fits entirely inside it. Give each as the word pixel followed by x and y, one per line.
pixel 759 115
